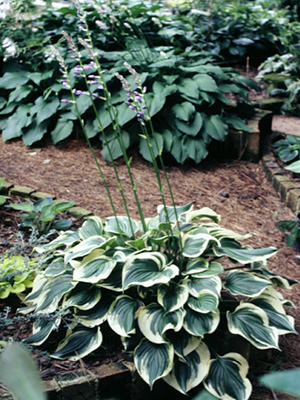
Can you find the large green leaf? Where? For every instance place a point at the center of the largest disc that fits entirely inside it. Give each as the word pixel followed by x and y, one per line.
pixel 44 109
pixel 155 102
pixel 252 323
pixel 94 316
pixel 34 133
pixel 215 127
pixel 203 214
pixel 227 377
pixel 294 167
pixel 195 245
pixel 206 83
pixel 197 285
pixel 122 225
pixel 206 302
pixel 178 150
pixel 153 361
pixel 199 324
pixel 41 330
pixel 183 342
pixel 83 297
pixel 20 93
pixel 195 148
pixel 147 269
pixel 243 255
pixel 238 124
pixel 80 342
pixel 112 149
pixel 184 111
pixel 155 142
pixel 245 283
pixel 94 268
pixel 24 382
pixel 195 266
pixel 62 130
pixel 12 80
pixel 85 247
pixel 189 373
pixel 192 127
pixel 91 227
pixel 154 321
pixel 169 213
pixel 124 113
pixel 122 315
pixel 189 88
pixel 284 381
pixel 172 296
pixel 16 122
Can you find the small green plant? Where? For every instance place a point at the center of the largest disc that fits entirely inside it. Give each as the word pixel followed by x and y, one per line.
pixel 287 149
pixel 294 232
pixel 167 302
pixel 41 215
pixel 16 275
pixel 2 198
pixel 287 382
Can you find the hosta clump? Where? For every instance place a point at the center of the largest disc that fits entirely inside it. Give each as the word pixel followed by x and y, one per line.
pixel 164 293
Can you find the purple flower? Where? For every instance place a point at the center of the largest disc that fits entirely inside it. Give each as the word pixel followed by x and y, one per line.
pixel 78 92
pixel 65 101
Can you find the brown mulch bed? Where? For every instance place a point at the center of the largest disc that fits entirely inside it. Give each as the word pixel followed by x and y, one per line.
pixel 237 190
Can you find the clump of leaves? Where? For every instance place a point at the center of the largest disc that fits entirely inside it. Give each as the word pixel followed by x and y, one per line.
pixel 164 295
pixel 288 149
pixel 16 275
pixel 41 215
pixel 292 227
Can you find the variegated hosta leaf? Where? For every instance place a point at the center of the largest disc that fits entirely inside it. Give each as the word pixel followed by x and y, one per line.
pixel 53 292
pixel 147 269
pixel 56 267
pixel 190 373
pixel 197 285
pixel 154 321
pixel 277 279
pixel 168 214
pixel 153 361
pixel 220 233
pixel 80 342
pixel 227 377
pixel 67 238
pixel 233 250
pixel 245 283
pixel 199 324
pixel 195 266
pixel 172 296
pixel 96 315
pixel 114 281
pixel 83 296
pixel 37 288
pixel 91 227
pixel 206 302
pixel 84 248
pixel 41 330
pixel 139 243
pixel 252 323
pixel 94 268
pixel 121 317
pixel 195 245
pixel 271 302
pixel 122 225
pixel 202 214
pixel 214 268
pixel 183 342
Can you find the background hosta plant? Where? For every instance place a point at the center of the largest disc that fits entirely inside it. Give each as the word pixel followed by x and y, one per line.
pixel 167 297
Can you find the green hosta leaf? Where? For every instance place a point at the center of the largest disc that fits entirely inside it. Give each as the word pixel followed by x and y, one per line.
pixel 178 150
pixel 84 248
pixel 62 206
pixel 41 330
pixel 125 114
pixel 172 297
pixel 16 122
pixel 154 321
pixel 252 323
pixel 26 207
pixel 104 116
pixel 2 200
pixel 24 383
pixel 112 148
pixel 227 377
pixel 204 395
pixel 153 361
pixel 62 224
pixel 38 77
pixel 53 292
pixel 147 269
pixel 283 381
pixel 190 373
pixel 83 103
pixel 20 93
pixel 222 233
pixel 203 214
pixel 155 142
pixel 191 127
pixel 121 225
pixel 245 283
pixel 206 302
pixel 238 124
pixel 91 227
pixel 121 317
pixel 215 127
pixel 62 130
pixel 114 281
pixel 83 297
pixel 155 102
pixel 241 255
pixel 34 133
pixel 195 245
pixel 294 167
pixel 198 285
pixel 213 269
pixel 195 148
pixel 189 88
pixel 38 286
pixel 172 211
pixel 80 342
pixel 184 111
pixel 206 83
pixel 195 265
pixel 94 316
pixel 44 109
pixel 94 268
pixel 183 342
pixel 199 324
pixel 12 80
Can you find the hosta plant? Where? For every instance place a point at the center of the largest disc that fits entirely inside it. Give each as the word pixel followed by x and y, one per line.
pixel 16 275
pixel 168 297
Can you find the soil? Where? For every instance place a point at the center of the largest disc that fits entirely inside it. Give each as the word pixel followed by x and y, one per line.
pixel 237 190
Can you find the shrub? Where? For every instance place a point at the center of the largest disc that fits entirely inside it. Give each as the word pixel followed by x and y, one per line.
pixel 166 296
